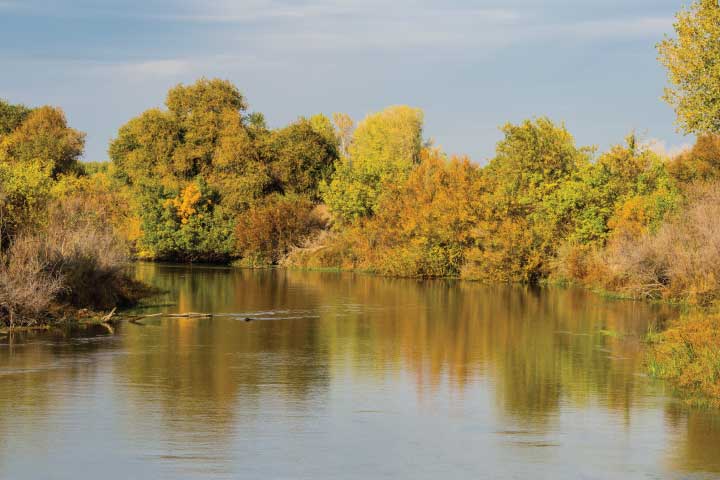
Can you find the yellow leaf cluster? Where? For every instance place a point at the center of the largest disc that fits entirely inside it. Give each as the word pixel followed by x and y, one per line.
pixel 185 204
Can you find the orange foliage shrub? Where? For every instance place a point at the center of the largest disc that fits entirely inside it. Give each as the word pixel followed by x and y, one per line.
pixel 266 232
pixel 702 162
pixel 422 227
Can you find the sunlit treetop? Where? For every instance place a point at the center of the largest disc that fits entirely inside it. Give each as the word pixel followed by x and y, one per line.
pixel 693 64
pixel 42 135
pixel 11 116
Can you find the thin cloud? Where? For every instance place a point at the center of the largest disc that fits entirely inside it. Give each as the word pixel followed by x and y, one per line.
pixel 618 27
pixel 269 11
pixel 161 68
pixel 370 26
pixel 180 68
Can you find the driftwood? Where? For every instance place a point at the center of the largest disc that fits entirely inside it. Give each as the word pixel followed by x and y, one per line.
pixel 112 317
pixel 185 315
pixel 137 318
pixel 106 318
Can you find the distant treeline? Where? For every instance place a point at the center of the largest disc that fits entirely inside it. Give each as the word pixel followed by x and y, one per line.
pixel 205 181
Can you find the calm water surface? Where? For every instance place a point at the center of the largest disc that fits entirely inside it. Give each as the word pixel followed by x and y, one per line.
pixel 349 376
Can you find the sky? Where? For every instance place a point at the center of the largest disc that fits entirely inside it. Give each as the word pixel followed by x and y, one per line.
pixel 472 66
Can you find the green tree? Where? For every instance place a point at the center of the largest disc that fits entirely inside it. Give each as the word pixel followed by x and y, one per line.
pixel 693 63
pixel 11 116
pixel 44 136
pixel 241 170
pixel 518 236
pixel 144 147
pixel 186 224
pixel 582 209
pixel 384 148
pixel 304 154
pixel 200 110
pixel 181 142
pixel 25 190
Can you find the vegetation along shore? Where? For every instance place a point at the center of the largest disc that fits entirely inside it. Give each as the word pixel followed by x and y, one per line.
pixel 205 179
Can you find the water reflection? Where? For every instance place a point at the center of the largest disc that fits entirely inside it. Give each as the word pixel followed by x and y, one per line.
pixel 367 376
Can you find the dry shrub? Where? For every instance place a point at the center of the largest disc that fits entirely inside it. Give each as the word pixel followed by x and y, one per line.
pixel 28 282
pixel 681 261
pixel 573 262
pixel 325 250
pixel 76 260
pixel 89 255
pixel 268 231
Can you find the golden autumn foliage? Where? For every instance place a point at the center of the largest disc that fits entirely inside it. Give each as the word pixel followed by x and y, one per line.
pixel 266 232
pixel 700 163
pixel 185 203
pixel 44 137
pixel 691 60
pixel 421 229
pixel 687 355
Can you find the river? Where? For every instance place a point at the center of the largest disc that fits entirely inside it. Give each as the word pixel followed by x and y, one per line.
pixel 348 376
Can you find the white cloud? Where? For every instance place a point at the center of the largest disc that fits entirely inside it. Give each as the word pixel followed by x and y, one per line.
pixel 661 147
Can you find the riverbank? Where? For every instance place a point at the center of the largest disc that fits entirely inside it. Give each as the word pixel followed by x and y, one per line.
pixel 687 355
pixel 127 293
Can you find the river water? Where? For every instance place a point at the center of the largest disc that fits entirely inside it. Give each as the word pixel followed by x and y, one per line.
pixel 343 376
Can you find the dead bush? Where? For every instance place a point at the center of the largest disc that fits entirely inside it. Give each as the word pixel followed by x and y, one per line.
pixel 74 260
pixel 681 261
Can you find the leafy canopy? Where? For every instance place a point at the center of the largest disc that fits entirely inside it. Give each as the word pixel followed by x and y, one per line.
pixel 693 64
pixel 384 148
pixel 42 136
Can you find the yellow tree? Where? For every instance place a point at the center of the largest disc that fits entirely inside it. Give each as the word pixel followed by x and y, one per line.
pixel 44 136
pixel 693 63
pixel 384 148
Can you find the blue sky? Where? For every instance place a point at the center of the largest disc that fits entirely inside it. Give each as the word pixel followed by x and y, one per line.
pixel 471 65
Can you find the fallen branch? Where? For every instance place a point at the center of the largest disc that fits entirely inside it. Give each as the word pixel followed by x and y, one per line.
pixel 137 319
pixel 106 318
